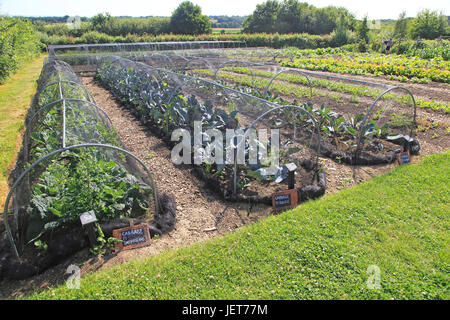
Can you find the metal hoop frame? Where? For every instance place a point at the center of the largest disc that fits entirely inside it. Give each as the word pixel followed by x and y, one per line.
pixel 68 99
pixel 291 70
pixel 67 81
pixel 366 117
pixel 66 148
pixel 193 60
pixel 246 133
pixel 49 155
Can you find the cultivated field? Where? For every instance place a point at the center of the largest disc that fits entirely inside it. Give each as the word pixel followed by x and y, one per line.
pixel 343 118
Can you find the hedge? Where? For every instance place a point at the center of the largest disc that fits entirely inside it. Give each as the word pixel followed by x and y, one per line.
pixel 19 43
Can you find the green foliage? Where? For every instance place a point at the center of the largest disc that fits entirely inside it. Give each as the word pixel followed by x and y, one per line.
pixel 429 50
pixel 79 180
pixel 292 16
pixel 103 244
pixel 401 26
pixel 319 250
pixel 429 25
pixel 342 61
pixel 19 43
pixel 342 34
pixel 227 22
pixel 138 26
pixel 363 31
pixel 100 20
pixel 150 99
pixel 301 41
pixel 355 90
pixel 188 19
pixel 263 19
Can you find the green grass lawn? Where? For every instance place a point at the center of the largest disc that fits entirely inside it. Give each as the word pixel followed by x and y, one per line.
pixel 15 98
pixel 320 250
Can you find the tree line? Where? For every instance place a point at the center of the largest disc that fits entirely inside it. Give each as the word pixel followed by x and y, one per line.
pixel 272 16
pixel 292 16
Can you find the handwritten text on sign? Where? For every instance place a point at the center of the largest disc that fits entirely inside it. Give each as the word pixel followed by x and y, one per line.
pixel 132 237
pixel 404 158
pixel 285 199
pixel 282 200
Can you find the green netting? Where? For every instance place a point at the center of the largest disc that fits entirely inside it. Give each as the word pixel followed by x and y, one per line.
pixel 72 161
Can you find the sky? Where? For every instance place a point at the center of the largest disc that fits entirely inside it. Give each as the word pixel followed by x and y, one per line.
pixel 378 9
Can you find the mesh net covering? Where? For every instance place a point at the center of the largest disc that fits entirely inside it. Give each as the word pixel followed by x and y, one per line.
pixel 356 121
pixel 167 100
pixel 363 111
pixel 254 70
pixel 363 118
pixel 72 161
pixel 141 46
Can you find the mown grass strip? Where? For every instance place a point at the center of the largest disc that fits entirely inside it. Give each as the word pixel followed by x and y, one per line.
pixel 398 222
pixel 15 98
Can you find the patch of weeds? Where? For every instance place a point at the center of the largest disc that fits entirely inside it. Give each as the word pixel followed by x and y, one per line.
pixel 347 182
pixel 400 120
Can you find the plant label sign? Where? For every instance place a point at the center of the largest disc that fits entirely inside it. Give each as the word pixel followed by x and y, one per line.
pixel 285 199
pixel 404 158
pixel 132 237
pixel 88 218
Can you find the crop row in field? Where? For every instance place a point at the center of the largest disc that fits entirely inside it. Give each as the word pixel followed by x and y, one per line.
pixel 370 64
pixel 299 92
pixel 77 180
pixel 128 83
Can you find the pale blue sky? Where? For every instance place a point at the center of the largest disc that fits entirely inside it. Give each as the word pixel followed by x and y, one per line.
pixel 377 9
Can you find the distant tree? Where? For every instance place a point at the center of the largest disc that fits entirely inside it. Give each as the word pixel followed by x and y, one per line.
pixel 289 17
pixel 429 25
pixel 363 30
pixel 293 16
pixel 188 19
pixel 342 34
pixel 100 21
pixel 263 18
pixel 401 26
pixel 227 21
pixel 324 21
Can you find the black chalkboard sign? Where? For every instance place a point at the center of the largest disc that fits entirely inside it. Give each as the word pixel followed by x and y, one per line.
pixel 285 199
pixel 282 200
pixel 133 237
pixel 404 158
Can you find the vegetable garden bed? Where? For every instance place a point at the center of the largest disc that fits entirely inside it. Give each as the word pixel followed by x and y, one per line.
pixel 71 162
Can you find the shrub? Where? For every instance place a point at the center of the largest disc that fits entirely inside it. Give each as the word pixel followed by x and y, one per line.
pixel 19 42
pixel 188 19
